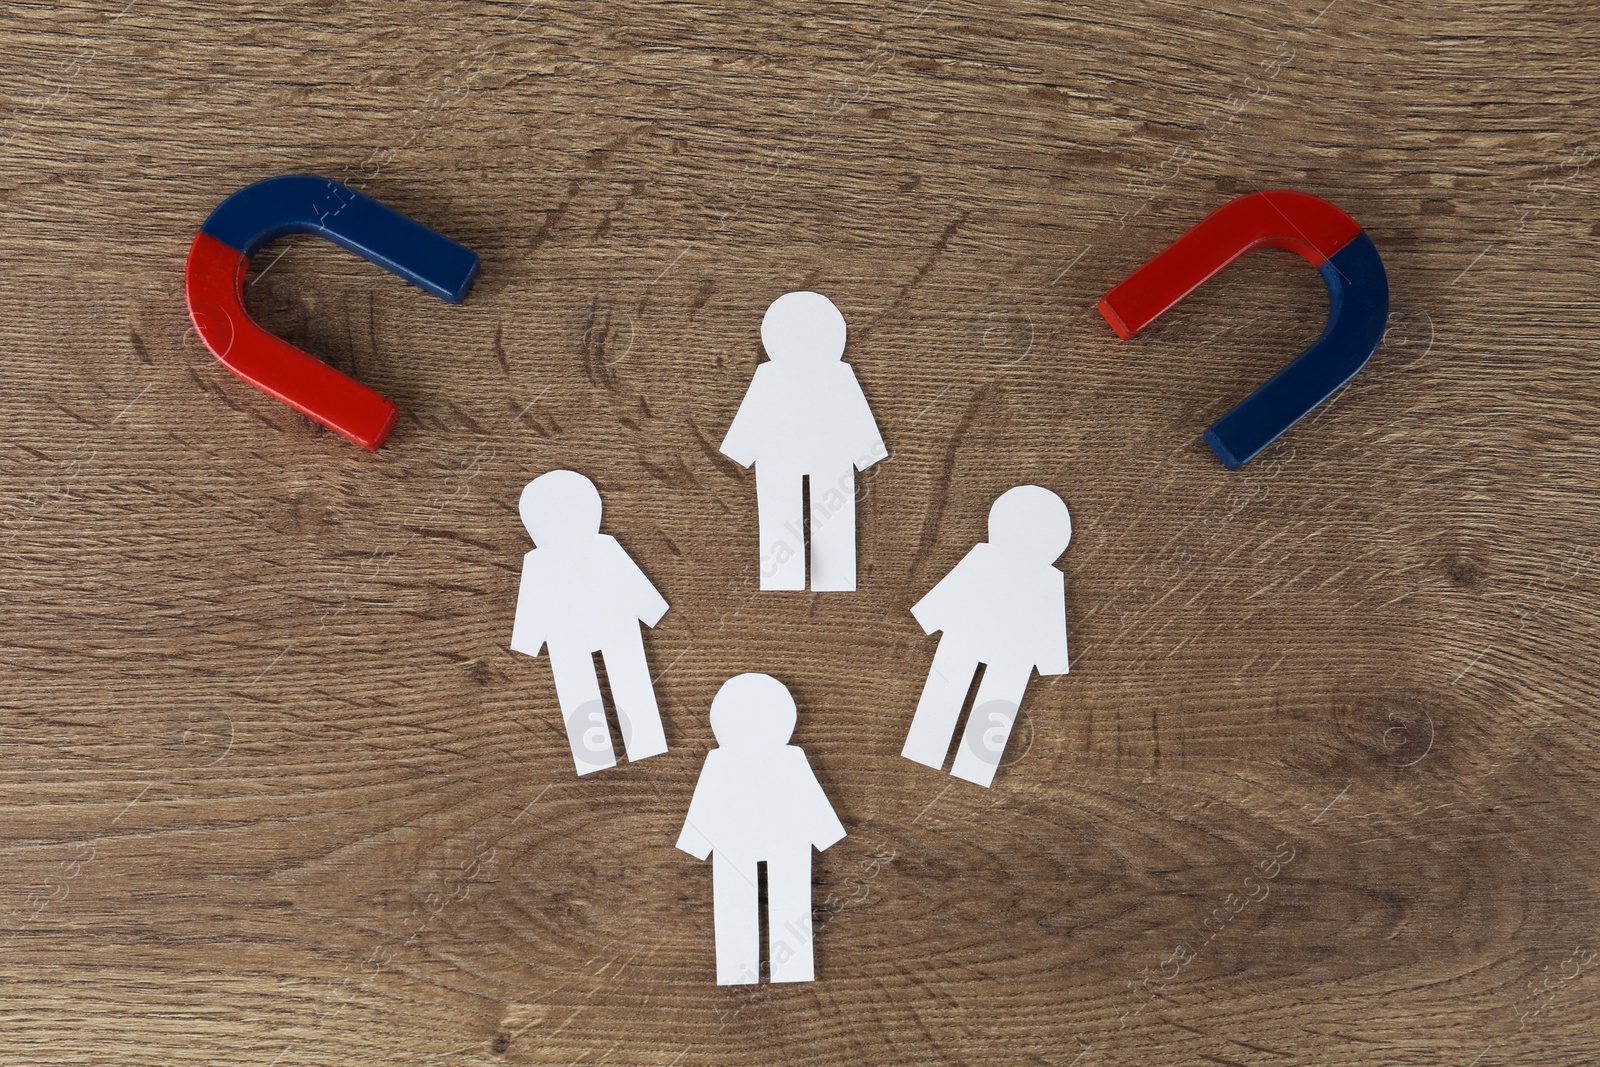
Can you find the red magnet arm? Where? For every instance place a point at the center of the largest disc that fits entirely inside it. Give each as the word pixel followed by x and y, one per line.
pixel 1277 218
pixel 214 280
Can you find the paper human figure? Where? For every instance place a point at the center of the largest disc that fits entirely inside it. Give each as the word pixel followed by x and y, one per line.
pixel 805 425
pixel 758 802
pixel 1004 607
pixel 581 593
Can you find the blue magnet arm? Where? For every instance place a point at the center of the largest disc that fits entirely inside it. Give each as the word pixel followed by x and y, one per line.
pixel 305 203
pixel 1358 311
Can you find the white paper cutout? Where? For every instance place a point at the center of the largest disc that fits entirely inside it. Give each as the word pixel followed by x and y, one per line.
pixel 1003 606
pixel 581 593
pixel 757 800
pixel 805 417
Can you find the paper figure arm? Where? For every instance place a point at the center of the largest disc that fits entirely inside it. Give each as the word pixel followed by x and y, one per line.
pixel 693 840
pixel 826 829
pixel 860 428
pixel 950 598
pixel 1053 657
pixel 529 630
pixel 645 599
pixel 743 442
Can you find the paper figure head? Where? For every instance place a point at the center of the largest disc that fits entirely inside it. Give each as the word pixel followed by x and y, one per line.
pixel 752 711
pixel 561 507
pixel 803 326
pixel 1032 522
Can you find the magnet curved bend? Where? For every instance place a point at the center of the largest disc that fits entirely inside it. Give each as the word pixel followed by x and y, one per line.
pixel 303 203
pixel 1358 304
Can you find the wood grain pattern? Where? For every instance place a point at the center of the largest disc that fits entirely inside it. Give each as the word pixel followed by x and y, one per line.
pixel 1319 789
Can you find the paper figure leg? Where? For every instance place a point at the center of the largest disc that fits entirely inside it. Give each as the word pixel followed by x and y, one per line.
pixel 789 932
pixel 734 898
pixel 635 695
pixel 578 690
pixel 928 740
pixel 994 711
pixel 833 530
pixel 783 543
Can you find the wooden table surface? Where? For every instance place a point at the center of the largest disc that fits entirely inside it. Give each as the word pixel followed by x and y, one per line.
pixel 1319 789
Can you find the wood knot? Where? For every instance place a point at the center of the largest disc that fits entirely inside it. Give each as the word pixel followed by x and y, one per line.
pixel 1463 571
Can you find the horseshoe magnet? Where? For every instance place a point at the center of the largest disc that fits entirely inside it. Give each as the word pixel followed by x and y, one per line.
pixel 1358 304
pixel 304 203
